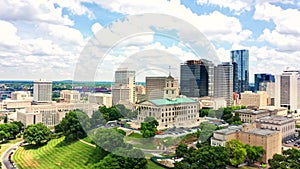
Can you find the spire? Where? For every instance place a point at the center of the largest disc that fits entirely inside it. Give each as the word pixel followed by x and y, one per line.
pixel 169 70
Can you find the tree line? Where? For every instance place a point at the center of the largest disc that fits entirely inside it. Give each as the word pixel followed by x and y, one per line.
pixel 217 157
pixel 224 114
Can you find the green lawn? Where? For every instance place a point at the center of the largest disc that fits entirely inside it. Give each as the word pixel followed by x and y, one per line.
pixel 151 165
pixel 56 154
pixel 6 145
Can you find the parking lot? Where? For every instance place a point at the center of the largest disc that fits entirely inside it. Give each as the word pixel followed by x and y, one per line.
pixel 294 142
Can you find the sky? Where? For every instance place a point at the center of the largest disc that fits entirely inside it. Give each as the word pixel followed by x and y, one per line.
pixel 46 39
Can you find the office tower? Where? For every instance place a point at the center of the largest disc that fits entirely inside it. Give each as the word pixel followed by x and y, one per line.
pixel 123 89
pixel 240 62
pixel 287 88
pixel 262 77
pixel 223 82
pixel 155 87
pixel 161 87
pixel 42 91
pixel 196 78
pixel 269 87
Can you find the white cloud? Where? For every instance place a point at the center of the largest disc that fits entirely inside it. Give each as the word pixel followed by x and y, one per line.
pixel 96 27
pixel 237 6
pixel 41 10
pixel 216 26
pixel 286 34
pixel 8 34
pixel 75 7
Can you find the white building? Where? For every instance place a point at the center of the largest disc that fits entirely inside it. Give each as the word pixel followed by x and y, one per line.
pixel 70 96
pixel 42 91
pixel 179 112
pixel 51 114
pixel 287 90
pixel 124 87
pixel 21 95
pixel 101 99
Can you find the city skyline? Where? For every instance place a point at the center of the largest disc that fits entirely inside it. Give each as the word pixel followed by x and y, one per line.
pixel 46 42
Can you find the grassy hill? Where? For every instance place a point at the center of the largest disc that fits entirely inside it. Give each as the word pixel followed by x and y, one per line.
pixel 56 154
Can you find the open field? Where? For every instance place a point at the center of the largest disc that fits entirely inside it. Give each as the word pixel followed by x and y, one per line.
pixel 56 154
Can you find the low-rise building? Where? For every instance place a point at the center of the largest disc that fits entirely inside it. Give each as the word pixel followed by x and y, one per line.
pixel 259 99
pixel 179 112
pixel 270 140
pixel 249 116
pixel 70 96
pixel 51 114
pixel 286 125
pixel 101 99
pixel 212 102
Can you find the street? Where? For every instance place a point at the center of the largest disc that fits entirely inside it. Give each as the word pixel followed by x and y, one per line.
pixel 6 164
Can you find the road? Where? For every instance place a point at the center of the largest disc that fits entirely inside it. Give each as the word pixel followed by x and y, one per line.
pixel 4 158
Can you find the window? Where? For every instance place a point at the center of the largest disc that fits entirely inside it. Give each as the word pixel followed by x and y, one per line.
pixel 172 91
pixel 162 120
pixel 166 91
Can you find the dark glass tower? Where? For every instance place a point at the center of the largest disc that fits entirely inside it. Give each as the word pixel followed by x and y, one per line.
pixel 197 78
pixel 240 62
pixel 262 77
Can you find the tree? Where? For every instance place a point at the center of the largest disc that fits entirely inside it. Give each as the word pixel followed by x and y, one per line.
pixel 181 150
pixel 73 125
pixel 206 132
pixel 110 114
pixel 3 135
pixel 206 157
pixel 126 112
pixel 109 139
pixel 289 159
pixel 97 119
pixel 236 151
pixel 19 124
pixel 203 112
pixel 149 127
pixel 36 134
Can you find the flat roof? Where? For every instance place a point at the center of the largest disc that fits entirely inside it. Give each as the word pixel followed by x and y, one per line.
pixel 274 119
pixel 250 111
pixel 262 132
pixel 229 130
pixel 160 102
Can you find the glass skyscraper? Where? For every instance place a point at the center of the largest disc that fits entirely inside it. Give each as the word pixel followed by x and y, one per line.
pixel 197 78
pixel 262 77
pixel 240 62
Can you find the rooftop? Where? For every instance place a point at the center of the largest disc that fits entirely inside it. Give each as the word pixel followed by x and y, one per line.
pixel 159 102
pixel 274 119
pixel 229 130
pixel 249 111
pixel 262 132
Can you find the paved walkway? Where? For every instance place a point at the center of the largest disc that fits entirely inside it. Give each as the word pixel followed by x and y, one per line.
pixel 87 143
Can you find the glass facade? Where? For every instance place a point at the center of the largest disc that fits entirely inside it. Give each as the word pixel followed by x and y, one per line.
pixel 240 62
pixel 196 78
pixel 259 78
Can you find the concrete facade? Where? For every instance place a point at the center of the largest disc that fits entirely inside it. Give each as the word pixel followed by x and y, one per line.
pixel 259 99
pixel 180 112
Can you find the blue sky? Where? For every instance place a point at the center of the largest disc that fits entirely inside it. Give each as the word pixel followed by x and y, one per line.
pixel 44 39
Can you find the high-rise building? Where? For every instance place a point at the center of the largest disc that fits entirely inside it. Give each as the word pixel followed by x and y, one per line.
pixel 197 78
pixel 155 87
pixel 223 82
pixel 123 89
pixel 42 91
pixel 262 77
pixel 269 87
pixel 259 99
pixel 240 62
pixel 287 90
pixel 161 87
